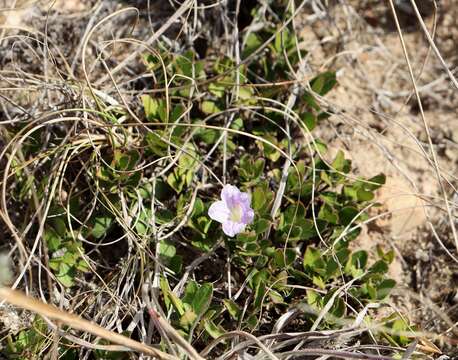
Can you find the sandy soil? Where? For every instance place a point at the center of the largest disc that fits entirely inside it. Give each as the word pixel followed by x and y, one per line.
pixel 379 125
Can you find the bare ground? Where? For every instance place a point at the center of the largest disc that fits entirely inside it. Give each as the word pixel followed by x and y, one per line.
pixel 379 125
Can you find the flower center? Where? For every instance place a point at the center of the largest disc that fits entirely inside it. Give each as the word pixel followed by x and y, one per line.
pixel 236 214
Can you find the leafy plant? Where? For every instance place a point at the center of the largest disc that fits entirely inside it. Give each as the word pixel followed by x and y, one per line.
pixel 128 200
pixel 306 242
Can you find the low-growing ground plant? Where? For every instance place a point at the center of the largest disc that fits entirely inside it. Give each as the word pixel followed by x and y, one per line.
pixel 117 200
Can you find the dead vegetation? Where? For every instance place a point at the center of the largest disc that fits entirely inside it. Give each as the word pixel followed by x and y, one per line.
pixel 55 56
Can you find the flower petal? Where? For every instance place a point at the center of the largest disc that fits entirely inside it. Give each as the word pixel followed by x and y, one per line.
pixel 218 211
pixel 231 228
pixel 230 195
pixel 245 198
pixel 247 216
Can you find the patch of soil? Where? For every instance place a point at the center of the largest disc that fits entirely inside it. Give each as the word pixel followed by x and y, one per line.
pixel 378 124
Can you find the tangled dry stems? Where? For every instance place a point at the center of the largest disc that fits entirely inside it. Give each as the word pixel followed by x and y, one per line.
pixel 60 100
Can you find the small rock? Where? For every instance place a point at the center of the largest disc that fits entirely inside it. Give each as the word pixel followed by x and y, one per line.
pixel 422 255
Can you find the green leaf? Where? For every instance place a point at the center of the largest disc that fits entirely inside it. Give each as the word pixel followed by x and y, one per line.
pixel 176 181
pixel 348 215
pixel 278 43
pixel 399 325
pixel 175 301
pixel 199 207
pixel 331 268
pixel 155 109
pixel 237 124
pixel 190 292
pixel 155 143
pixel 351 192
pixel 217 89
pixel 233 309
pixel 187 319
pixel 384 288
pixel 284 258
pixel 176 263
pixel 247 237
pixel 313 299
pixel 312 258
pixel 276 297
pixel 53 240
pixel 309 99
pixel 142 224
pixel 320 146
pixel 209 107
pixel 213 330
pixel 370 289
pixel 356 263
pixel 175 115
pixel 339 161
pixel 252 321
pixel 260 292
pixel 388 256
pixel 252 43
pixel 101 226
pixel 281 280
pixel 125 161
pixel 82 266
pixel 309 120
pixel 202 299
pixel 60 226
pixel 203 225
pixel 249 168
pixel 66 274
pixel 326 178
pixel 150 107
pixel 261 226
pixel 318 281
pixel 294 213
pixel 364 195
pixel 258 198
pixel 185 63
pixel 246 96
pixel 188 160
pixel 328 214
pixel 166 249
pixel 323 83
pixel 70 256
pixel 259 167
pixel 377 181
pixel 379 267
pixel 338 308
pixel 164 216
pixel 208 136
pixel 162 111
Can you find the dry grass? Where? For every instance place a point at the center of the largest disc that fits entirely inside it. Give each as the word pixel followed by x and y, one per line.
pixel 66 73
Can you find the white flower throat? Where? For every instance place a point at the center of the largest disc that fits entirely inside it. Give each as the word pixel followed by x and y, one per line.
pixel 236 213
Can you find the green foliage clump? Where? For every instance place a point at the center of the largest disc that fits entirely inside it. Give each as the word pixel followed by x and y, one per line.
pixel 148 189
pixel 298 254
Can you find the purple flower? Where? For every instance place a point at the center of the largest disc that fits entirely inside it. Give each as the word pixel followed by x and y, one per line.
pixel 234 211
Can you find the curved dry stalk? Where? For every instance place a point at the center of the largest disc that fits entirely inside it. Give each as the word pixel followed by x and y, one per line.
pixel 433 45
pixel 423 117
pixel 238 333
pixel 177 14
pixel 161 323
pixel 340 354
pixel 23 301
